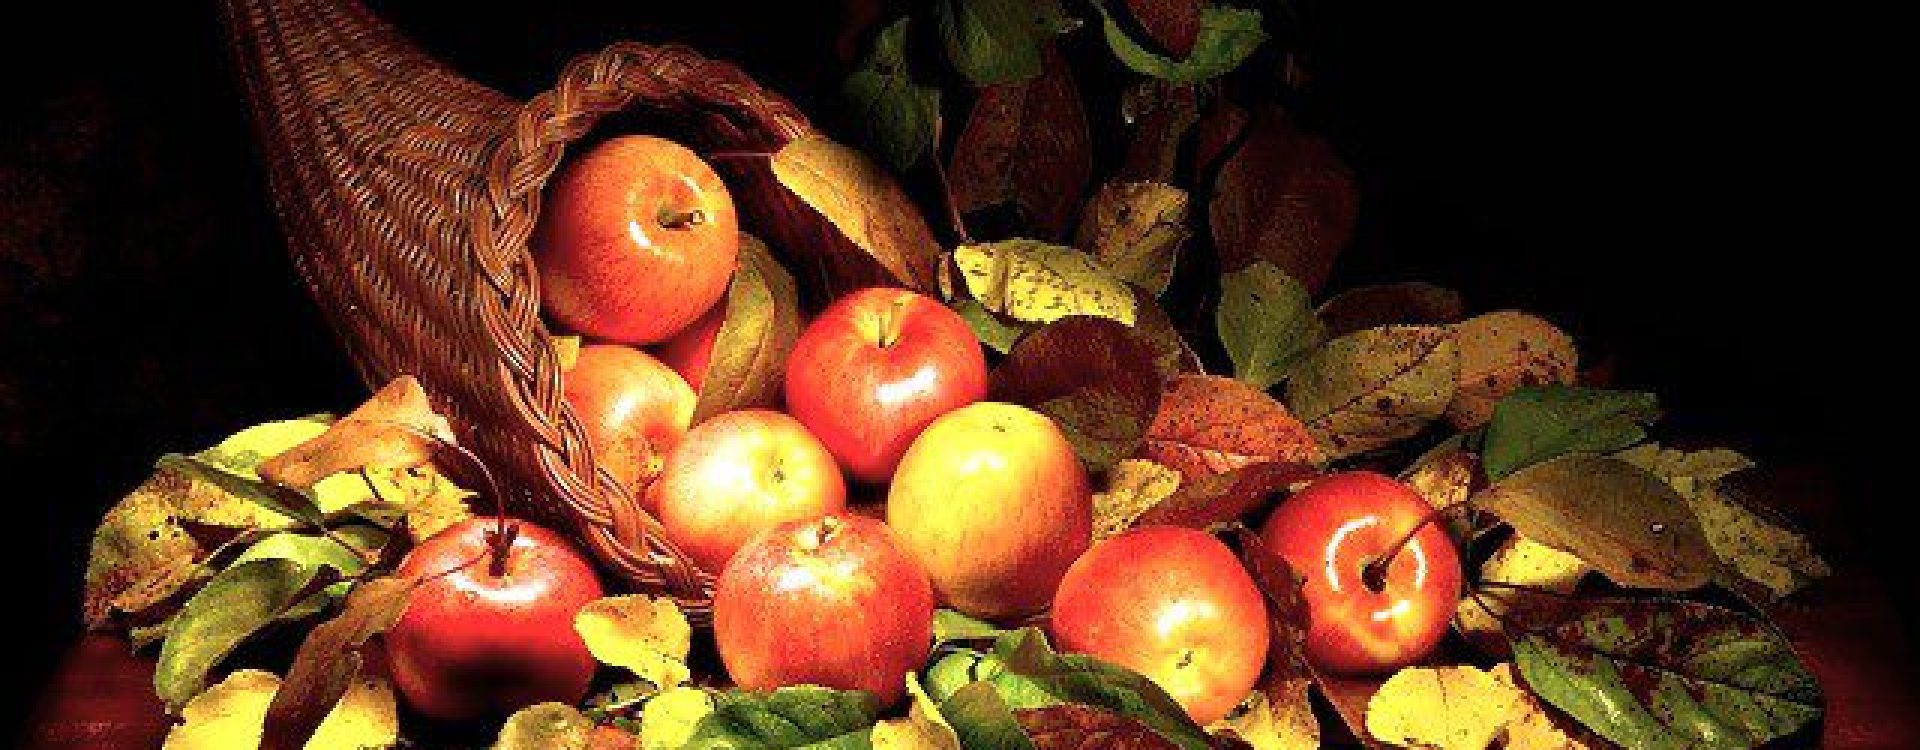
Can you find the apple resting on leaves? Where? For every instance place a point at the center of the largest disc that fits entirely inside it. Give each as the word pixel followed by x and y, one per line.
pixel 486 635
pixel 832 601
pixel 1367 613
pixel 1173 604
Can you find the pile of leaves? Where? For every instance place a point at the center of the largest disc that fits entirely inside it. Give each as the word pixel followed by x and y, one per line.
pixel 1171 319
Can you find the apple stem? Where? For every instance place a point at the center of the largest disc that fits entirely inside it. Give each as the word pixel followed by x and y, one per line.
pixel 500 540
pixel 890 323
pixel 672 219
pixel 1374 575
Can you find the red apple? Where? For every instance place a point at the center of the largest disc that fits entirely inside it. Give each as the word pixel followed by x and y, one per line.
pixel 994 504
pixel 874 369
pixel 637 240
pixel 1173 604
pixel 632 408
pixel 483 641
pixel 832 601
pixel 1367 616
pixel 689 351
pixel 741 473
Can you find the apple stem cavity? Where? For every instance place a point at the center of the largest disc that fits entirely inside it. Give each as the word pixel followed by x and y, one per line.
pixel 1374 573
pixel 687 219
pixel 819 534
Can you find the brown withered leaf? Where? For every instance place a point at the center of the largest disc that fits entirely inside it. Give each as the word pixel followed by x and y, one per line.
pixel 1619 518
pixel 329 660
pixel 1209 425
pixel 853 227
pixel 1175 354
pixel 1284 197
pixel 1174 25
pixel 1446 476
pixel 1219 130
pixel 750 351
pixel 397 427
pixel 1136 229
pixel 1161 112
pixel 1071 726
pixel 1027 144
pixel 1405 303
pixel 1202 501
pixel 1501 352
pixel 1099 379
pixel 1349 695
pixel 1279 716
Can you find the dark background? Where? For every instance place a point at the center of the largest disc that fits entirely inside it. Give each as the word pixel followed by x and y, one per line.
pixel 1669 188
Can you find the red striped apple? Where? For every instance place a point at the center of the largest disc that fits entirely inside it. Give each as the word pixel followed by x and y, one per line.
pixel 832 601
pixel 632 408
pixel 741 473
pixel 874 369
pixel 637 240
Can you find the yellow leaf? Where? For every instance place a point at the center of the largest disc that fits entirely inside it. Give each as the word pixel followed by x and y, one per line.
pixel 1373 387
pixel 1452 708
pixel 1036 282
pixel 1532 728
pixel 545 726
pixel 141 554
pixel 1504 351
pixel 397 426
pixel 1134 485
pixel 668 720
pixel 1267 726
pixel 1521 562
pixel 923 728
pixel 640 633
pixel 1136 229
pixel 230 716
pixel 1757 547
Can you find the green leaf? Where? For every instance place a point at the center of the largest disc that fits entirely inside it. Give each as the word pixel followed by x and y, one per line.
pixel 1624 521
pixel 790 717
pixel 982 720
pixel 1267 323
pixel 346 553
pixel 1369 388
pixel 1027 673
pixel 949 625
pixel 1671 674
pixel 991 329
pixel 748 365
pixel 998 41
pixel 235 604
pixel 1036 282
pixel 899 115
pixel 280 499
pixel 545 726
pixel 1227 37
pixel 1535 424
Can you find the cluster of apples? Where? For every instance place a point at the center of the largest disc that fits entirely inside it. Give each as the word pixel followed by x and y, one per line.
pixel 987 509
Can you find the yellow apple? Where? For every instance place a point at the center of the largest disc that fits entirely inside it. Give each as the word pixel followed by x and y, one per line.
pixel 993 503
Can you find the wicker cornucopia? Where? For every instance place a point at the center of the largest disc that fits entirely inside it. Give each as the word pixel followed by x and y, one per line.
pixel 408 193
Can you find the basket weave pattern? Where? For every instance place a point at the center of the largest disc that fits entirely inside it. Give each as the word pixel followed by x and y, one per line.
pixel 408 193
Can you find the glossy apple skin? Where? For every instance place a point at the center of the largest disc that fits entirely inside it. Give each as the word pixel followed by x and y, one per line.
pixel 471 645
pixel 1329 533
pixel 1173 604
pixel 689 351
pixel 633 409
pixel 741 473
pixel 614 263
pixel 832 601
pixel 993 503
pixel 875 369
